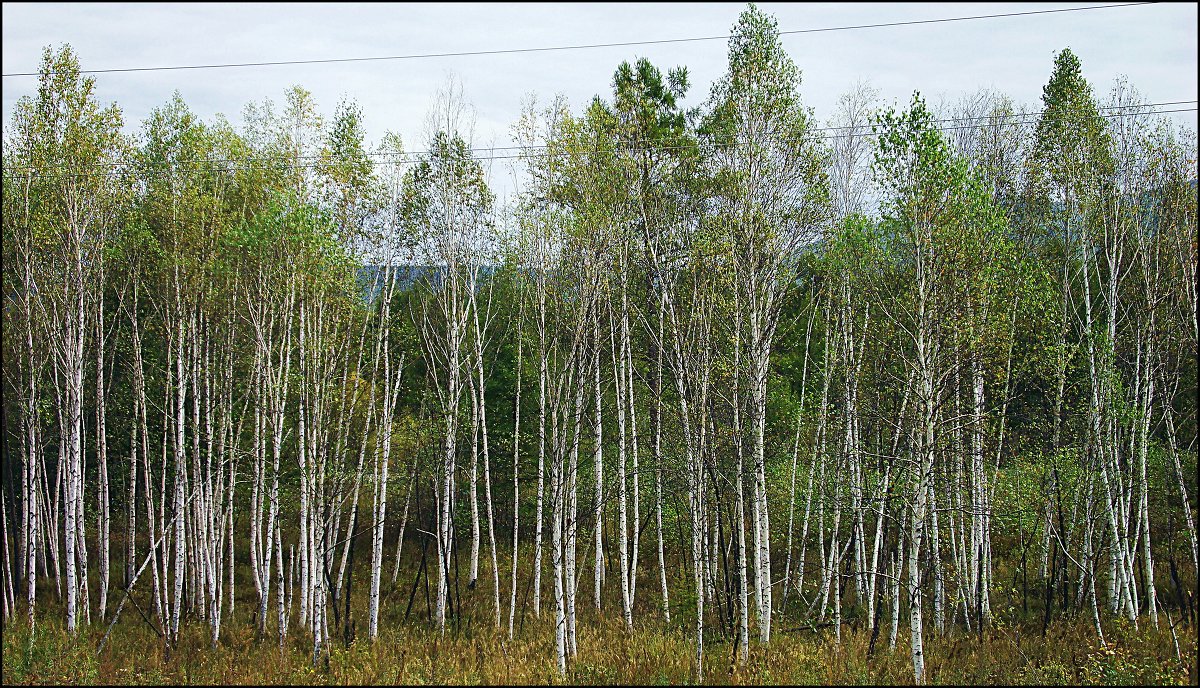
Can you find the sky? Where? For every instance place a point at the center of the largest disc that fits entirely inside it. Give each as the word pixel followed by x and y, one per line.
pixel 1153 45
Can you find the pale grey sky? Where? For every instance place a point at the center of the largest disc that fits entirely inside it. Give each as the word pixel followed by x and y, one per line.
pixel 1154 45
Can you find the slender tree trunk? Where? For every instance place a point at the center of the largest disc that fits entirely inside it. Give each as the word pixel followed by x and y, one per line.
pixel 541 472
pixel 759 353
pixel 599 458
pixel 102 450
pixel 412 485
pixel 516 461
pixel 633 442
pixel 557 519
pixel 572 520
pixel 619 383
pixel 487 485
pixel 658 459
pixel 180 477
pixel 743 633
pixel 787 570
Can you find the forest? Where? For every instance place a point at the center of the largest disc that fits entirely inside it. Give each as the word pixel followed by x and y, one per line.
pixel 907 394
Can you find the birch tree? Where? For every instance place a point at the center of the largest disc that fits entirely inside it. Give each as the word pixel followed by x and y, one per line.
pixel 72 139
pixel 771 163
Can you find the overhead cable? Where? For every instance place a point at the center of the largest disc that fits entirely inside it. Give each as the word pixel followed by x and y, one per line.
pixel 508 51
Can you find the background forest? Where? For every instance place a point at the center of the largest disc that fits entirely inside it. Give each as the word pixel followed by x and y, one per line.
pixel 723 394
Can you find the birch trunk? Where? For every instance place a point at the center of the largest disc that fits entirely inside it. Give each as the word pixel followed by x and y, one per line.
pixel 598 441
pixel 516 461
pixel 102 449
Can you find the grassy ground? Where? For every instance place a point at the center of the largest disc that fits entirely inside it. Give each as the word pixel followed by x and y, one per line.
pixel 416 655
pixel 408 652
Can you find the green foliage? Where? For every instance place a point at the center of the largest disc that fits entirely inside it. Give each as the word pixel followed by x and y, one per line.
pixel 1071 142
pixel 48 654
pixel 445 192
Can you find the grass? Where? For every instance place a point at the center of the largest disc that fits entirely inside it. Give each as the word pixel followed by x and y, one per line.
pixel 1012 651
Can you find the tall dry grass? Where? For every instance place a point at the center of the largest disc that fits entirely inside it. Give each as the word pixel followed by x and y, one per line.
pixel 472 650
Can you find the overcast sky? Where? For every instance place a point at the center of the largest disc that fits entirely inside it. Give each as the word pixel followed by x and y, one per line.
pixel 1154 45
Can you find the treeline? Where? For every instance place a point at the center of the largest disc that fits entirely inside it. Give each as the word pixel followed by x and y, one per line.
pixel 896 367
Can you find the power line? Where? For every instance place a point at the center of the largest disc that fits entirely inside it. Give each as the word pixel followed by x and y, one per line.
pixel 395 160
pixel 1009 117
pixel 509 51
pixel 995 116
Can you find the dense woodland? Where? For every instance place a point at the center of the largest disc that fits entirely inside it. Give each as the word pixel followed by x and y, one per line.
pixel 733 371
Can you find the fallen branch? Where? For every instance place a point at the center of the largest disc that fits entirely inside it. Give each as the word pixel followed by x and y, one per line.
pixel 129 589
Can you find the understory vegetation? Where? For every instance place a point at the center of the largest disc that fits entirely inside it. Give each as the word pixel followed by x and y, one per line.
pixel 409 651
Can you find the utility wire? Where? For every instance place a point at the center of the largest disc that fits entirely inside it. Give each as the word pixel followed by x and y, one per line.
pixel 1009 119
pixel 309 166
pixel 584 46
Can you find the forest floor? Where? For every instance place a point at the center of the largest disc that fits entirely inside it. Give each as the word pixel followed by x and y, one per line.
pixel 1012 651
